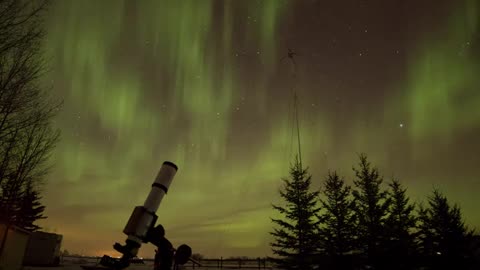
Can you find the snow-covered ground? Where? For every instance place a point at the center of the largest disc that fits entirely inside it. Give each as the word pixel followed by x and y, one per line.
pixel 132 267
pixel 74 263
pixel 136 267
pixel 78 267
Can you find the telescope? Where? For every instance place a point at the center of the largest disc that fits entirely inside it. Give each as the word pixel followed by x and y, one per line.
pixel 140 228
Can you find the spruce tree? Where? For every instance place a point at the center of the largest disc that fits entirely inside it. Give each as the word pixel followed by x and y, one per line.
pixel 338 218
pixel 371 208
pixel 30 209
pixel 400 225
pixel 443 235
pixel 9 203
pixel 295 239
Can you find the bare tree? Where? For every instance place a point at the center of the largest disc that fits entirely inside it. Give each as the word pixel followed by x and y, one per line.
pixel 26 109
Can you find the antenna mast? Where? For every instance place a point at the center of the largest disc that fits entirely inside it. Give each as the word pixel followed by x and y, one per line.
pixel 298 127
pixel 290 55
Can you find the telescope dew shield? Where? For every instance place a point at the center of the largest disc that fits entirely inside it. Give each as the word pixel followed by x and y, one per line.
pixel 160 186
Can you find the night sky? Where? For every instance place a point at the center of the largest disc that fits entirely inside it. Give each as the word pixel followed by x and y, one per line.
pixel 203 84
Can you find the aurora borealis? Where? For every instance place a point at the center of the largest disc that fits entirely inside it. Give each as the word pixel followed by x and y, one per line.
pixel 201 83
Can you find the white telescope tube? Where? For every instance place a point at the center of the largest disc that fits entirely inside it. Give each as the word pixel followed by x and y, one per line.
pixel 160 186
pixel 143 218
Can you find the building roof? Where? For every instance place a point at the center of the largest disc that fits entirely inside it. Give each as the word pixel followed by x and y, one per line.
pixel 15 228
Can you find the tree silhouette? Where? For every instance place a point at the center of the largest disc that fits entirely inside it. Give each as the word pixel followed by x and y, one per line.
pixel 295 241
pixel 338 219
pixel 400 226
pixel 443 235
pixel 26 110
pixel 371 205
pixel 30 209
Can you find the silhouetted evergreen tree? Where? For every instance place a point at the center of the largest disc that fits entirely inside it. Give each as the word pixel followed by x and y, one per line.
pixel 338 219
pixel 30 209
pixel 296 238
pixel 400 226
pixel 443 235
pixel 9 203
pixel 371 205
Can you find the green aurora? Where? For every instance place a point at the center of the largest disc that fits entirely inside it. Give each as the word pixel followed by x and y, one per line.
pixel 202 84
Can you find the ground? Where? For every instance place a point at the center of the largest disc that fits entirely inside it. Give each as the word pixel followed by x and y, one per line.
pixel 74 263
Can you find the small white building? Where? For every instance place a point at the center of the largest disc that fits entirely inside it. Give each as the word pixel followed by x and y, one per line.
pixel 13 243
pixel 43 249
